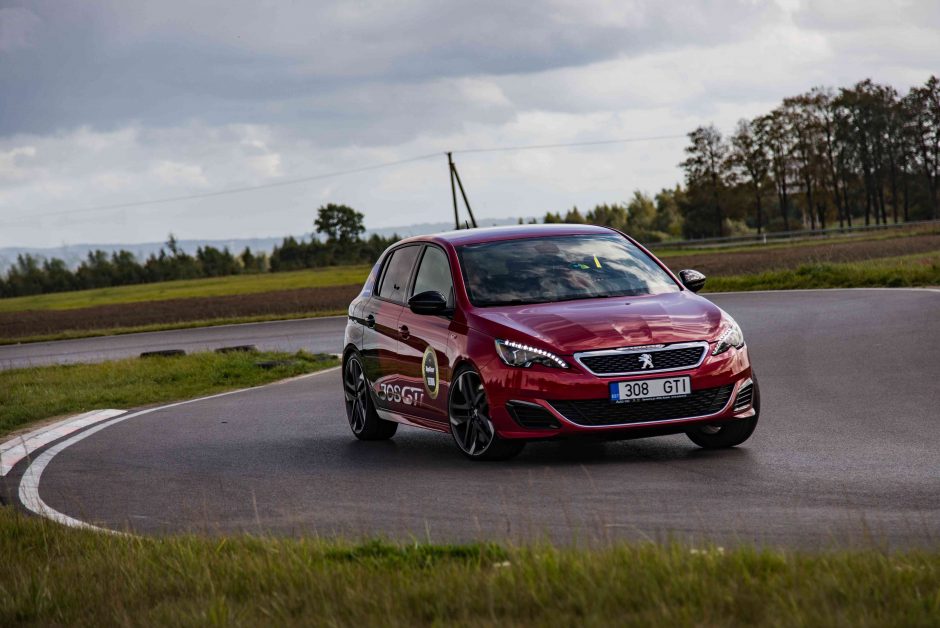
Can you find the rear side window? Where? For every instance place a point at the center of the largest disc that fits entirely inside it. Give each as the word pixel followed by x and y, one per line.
pixel 434 274
pixel 397 273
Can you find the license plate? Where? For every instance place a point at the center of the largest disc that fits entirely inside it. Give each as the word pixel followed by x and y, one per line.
pixel 646 389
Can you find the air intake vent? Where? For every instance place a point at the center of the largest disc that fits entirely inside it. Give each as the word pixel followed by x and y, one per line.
pixel 531 416
pixel 594 412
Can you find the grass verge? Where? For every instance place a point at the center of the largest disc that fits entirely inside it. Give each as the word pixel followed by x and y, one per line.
pixel 37 393
pixel 189 288
pixel 891 272
pixel 197 581
pixel 73 334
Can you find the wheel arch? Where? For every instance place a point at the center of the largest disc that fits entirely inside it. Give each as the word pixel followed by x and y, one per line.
pixel 460 363
pixel 348 350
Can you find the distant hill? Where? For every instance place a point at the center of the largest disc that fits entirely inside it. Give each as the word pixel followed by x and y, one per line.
pixel 74 253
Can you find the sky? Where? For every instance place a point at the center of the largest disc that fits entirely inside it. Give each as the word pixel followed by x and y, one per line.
pixel 104 103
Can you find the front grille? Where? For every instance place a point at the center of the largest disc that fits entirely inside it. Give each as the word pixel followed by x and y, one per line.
pixel 662 360
pixel 594 412
pixel 532 417
pixel 745 395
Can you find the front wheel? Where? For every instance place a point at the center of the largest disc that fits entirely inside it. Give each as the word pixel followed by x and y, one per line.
pixel 470 423
pixel 727 433
pixel 363 419
pixel 723 435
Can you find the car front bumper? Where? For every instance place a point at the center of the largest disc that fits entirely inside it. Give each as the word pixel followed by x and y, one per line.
pixel 570 398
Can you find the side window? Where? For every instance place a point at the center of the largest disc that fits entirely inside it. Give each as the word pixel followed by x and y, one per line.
pixel 397 273
pixel 434 274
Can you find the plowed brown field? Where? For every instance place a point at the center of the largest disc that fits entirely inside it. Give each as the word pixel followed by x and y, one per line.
pixel 758 259
pixel 312 300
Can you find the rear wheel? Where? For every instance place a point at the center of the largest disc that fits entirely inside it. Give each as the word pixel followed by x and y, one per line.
pixel 470 423
pixel 727 433
pixel 363 419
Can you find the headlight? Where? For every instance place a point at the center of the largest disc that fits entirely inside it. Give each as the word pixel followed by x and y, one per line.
pixel 730 336
pixel 518 354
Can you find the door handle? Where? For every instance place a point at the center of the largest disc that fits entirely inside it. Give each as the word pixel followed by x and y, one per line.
pixel 403 330
pixel 370 320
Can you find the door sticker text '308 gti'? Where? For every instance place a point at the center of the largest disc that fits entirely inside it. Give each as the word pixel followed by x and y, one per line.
pixel 408 395
pixel 430 372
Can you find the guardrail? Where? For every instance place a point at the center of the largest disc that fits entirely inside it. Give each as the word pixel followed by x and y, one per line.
pixel 777 236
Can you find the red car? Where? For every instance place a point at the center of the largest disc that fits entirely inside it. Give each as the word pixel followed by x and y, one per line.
pixel 507 335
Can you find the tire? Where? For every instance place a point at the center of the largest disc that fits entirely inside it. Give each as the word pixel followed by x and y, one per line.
pixel 470 424
pixel 363 420
pixel 727 434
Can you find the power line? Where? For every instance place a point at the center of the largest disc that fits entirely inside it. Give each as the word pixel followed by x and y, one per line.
pixel 239 190
pixel 337 173
pixel 626 140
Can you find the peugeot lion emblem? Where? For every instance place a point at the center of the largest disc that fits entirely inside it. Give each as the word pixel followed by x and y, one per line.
pixel 646 361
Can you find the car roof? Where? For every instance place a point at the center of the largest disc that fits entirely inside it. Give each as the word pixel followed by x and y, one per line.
pixel 512 232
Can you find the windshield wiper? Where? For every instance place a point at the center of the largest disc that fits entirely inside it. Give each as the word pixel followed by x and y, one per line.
pixel 513 302
pixel 581 297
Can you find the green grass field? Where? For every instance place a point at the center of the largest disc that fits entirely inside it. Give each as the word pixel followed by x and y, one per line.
pixel 906 271
pixel 58 576
pixel 881 267
pixel 182 289
pixel 33 394
pixel 890 272
pixel 333 276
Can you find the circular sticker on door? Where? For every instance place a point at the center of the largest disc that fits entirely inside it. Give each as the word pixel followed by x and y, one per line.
pixel 430 372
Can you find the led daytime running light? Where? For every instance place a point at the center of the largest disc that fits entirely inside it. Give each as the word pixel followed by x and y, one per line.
pixel 529 349
pixel 725 335
pixel 730 337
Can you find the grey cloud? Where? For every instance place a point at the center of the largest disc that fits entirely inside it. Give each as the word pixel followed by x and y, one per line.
pixel 837 16
pixel 18 26
pixel 107 63
pixel 107 102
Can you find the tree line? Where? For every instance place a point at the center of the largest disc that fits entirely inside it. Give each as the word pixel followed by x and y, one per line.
pixel 825 157
pixel 340 226
pixel 857 154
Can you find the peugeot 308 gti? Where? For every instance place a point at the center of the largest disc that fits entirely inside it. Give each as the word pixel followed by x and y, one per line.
pixel 506 335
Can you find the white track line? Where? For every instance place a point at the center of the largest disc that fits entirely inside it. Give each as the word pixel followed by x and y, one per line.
pixel 29 484
pixel 15 449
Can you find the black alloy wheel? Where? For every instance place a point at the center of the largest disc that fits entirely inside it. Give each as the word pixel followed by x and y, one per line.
pixel 363 419
pixel 727 433
pixel 470 422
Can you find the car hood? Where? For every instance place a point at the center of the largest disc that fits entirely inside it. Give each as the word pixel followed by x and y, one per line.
pixel 571 326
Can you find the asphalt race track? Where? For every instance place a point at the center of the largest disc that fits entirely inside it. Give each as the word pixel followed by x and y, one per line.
pixel 319 335
pixel 847 452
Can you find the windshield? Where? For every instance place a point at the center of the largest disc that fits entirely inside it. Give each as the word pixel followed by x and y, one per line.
pixel 563 268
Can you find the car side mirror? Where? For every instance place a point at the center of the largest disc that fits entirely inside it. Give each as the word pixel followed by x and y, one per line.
pixel 430 302
pixel 692 279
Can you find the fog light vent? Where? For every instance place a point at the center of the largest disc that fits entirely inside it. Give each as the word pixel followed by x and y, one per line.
pixel 531 415
pixel 745 396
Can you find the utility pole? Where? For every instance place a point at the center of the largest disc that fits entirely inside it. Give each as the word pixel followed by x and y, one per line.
pixel 453 191
pixel 452 167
